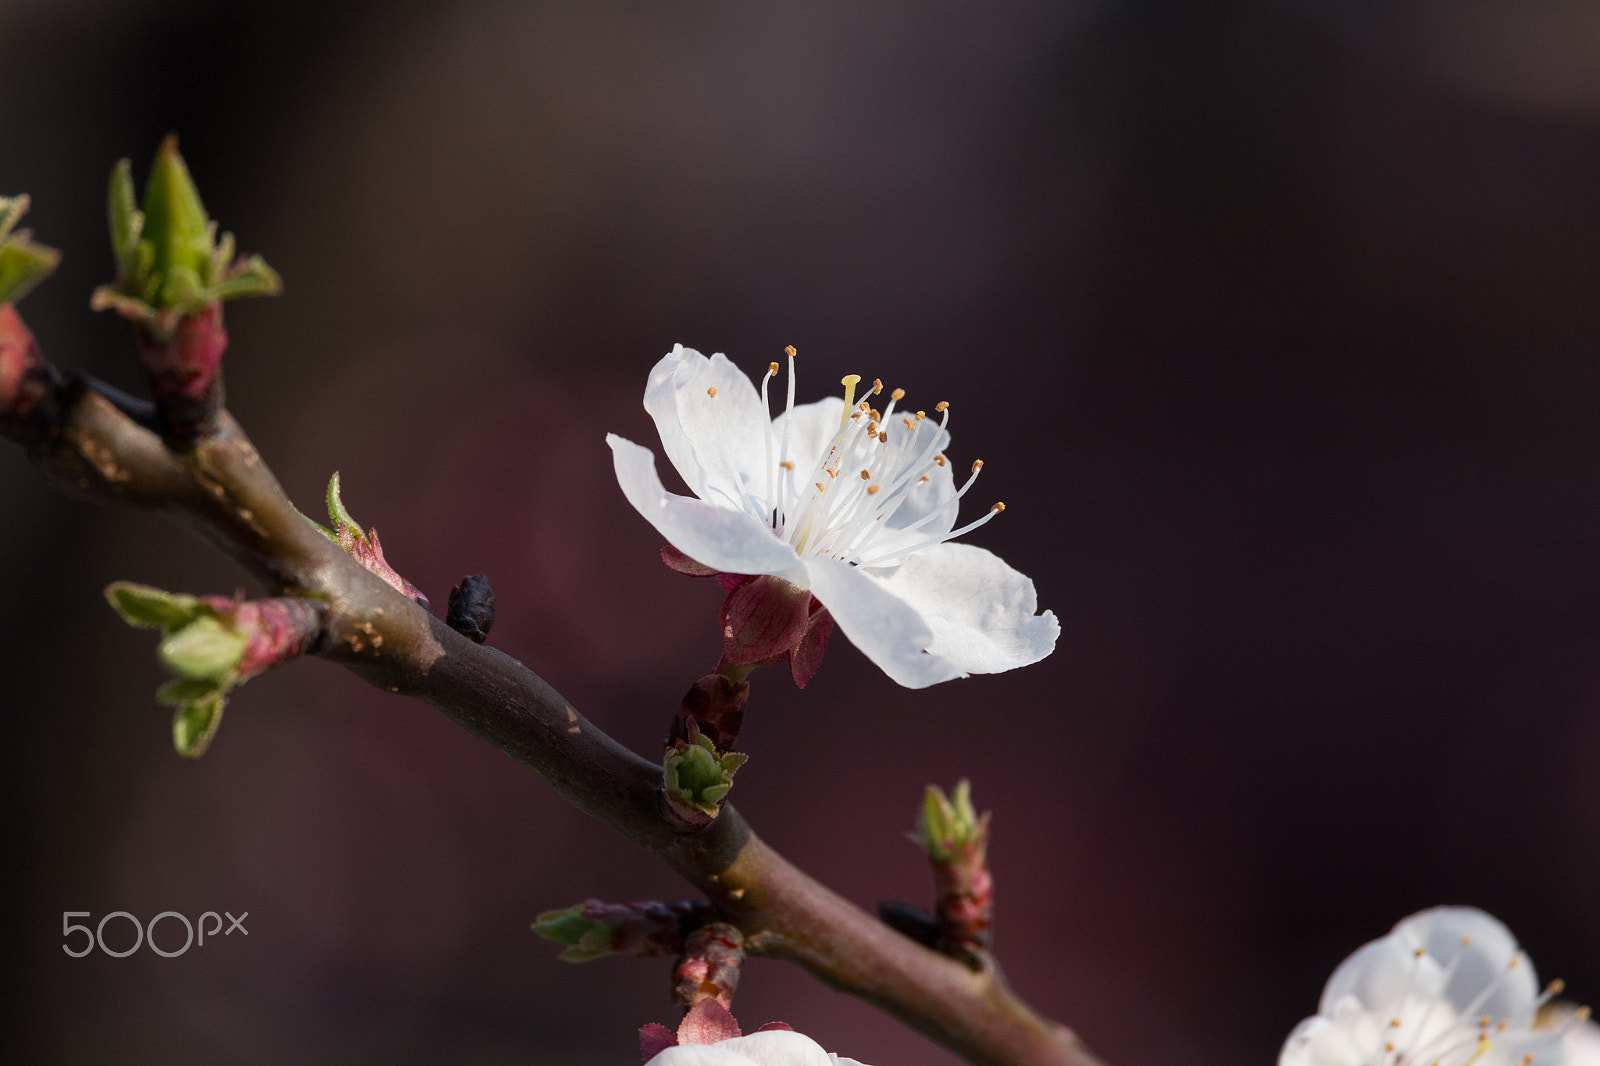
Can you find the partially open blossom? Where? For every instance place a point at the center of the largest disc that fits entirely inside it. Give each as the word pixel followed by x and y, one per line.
pixel 836 501
pixel 709 1036
pixel 1448 987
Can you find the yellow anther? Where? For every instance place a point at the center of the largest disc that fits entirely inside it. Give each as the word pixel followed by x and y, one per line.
pixel 997 508
pixel 772 370
pixel 1466 941
pixel 787 464
pixel 1388 1046
pixel 1516 960
pixel 921 479
pixel 1417 954
pixel 977 465
pixel 821 487
pixel 1557 987
pixel 712 392
pixel 866 475
pixel 898 394
pixel 873 490
pixel 1394 1023
pixel 942 406
pixel 941 460
pixel 877 386
pixel 790 352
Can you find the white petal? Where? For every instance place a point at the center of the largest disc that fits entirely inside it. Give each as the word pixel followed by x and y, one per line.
pixel 1583 1045
pixel 701 1055
pixel 1491 958
pixel 981 611
pixel 1315 1043
pixel 775 1047
pixel 717 441
pixel 716 536
pixel 1378 976
pixel 886 628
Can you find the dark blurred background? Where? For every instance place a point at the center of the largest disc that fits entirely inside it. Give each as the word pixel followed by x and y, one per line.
pixel 1275 322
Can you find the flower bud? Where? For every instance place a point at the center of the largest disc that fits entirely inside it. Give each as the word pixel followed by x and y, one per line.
pixel 713 956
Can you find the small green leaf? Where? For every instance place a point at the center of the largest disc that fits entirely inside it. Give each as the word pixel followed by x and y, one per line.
pixel 205 649
pixel 195 723
pixel 127 221
pixel 181 690
pixel 23 263
pixel 564 926
pixel 144 606
pixel 12 209
pixel 342 520
pixel 254 278
pixel 182 287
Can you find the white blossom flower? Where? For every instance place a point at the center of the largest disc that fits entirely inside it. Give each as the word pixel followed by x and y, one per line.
pixel 1448 987
pixel 855 505
pixel 1583 1040
pixel 771 1048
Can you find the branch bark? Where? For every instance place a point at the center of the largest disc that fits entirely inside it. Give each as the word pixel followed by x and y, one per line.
pixel 94 443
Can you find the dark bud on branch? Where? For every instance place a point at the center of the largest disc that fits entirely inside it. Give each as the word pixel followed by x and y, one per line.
pixel 910 921
pixel 471 608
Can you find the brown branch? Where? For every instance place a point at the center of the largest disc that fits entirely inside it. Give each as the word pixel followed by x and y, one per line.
pixel 97 445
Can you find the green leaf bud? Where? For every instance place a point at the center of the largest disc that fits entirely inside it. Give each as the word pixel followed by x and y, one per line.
pixel 948 825
pixel 23 264
pixel 696 777
pixel 205 649
pixel 176 227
